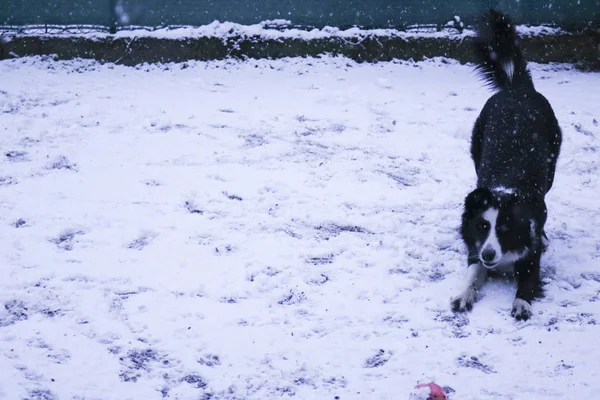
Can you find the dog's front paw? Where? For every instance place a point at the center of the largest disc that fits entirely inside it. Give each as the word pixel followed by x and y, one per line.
pixel 464 301
pixel 521 310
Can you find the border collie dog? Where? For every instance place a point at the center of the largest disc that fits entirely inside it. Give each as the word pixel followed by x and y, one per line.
pixel 515 143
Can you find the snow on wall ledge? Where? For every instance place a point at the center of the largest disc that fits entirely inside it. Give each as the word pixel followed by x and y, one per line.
pixel 271 29
pixel 278 39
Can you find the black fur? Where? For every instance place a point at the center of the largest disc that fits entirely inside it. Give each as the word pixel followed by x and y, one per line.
pixel 496 42
pixel 515 144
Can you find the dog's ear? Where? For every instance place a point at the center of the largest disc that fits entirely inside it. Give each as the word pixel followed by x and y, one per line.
pixel 478 199
pixel 529 208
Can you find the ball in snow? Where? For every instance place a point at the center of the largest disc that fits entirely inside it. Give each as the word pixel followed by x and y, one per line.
pixel 428 391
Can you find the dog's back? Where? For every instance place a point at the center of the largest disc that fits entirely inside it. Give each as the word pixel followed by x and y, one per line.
pixel 516 139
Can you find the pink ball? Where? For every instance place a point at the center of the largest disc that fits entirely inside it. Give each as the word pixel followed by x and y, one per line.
pixel 436 392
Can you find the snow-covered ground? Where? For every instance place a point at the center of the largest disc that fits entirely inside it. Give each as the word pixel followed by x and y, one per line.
pixel 276 229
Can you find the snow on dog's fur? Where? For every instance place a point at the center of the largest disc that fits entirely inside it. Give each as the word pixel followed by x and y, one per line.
pixel 515 144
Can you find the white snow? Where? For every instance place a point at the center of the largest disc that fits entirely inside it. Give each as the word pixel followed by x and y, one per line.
pixel 270 29
pixel 422 393
pixel 503 189
pixel 276 229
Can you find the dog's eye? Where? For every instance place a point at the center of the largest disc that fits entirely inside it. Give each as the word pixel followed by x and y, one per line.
pixel 483 226
pixel 504 228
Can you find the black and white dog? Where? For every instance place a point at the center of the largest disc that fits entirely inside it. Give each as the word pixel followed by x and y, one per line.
pixel 515 143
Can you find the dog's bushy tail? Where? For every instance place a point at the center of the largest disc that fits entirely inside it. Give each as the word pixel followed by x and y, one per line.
pixel 498 57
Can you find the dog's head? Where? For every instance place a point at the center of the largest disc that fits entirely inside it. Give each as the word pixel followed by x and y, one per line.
pixel 500 228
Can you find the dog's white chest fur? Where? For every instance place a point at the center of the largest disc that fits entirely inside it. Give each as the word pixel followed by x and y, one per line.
pixel 504 267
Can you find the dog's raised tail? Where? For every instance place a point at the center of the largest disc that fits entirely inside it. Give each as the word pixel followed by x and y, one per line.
pixel 498 57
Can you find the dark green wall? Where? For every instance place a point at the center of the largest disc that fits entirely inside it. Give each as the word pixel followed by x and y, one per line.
pixel 314 13
pixel 55 12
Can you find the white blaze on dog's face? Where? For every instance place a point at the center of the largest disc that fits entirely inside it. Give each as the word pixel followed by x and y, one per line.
pixel 491 251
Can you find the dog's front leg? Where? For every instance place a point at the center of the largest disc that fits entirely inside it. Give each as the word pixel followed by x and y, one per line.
pixel 476 275
pixel 527 272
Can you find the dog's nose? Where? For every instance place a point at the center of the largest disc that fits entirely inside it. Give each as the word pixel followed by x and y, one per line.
pixel 488 254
